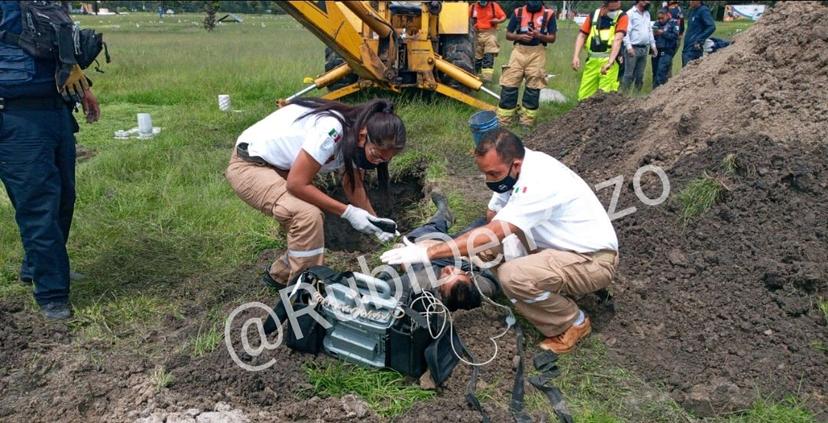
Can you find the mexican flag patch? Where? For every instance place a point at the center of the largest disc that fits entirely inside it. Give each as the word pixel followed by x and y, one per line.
pixel 336 136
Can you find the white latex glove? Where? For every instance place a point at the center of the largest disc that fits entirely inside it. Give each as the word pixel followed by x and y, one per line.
pixel 360 220
pixel 406 255
pixel 386 236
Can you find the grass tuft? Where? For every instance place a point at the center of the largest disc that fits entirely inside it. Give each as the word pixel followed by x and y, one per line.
pixel 698 197
pixel 385 391
pixel 789 410
pixel 161 378
pixel 206 341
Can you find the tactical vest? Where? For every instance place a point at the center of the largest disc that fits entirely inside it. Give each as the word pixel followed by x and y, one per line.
pixel 599 40
pixel 528 20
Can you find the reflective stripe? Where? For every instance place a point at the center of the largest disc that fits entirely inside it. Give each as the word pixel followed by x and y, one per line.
pixel 601 55
pixel 306 253
pixel 539 298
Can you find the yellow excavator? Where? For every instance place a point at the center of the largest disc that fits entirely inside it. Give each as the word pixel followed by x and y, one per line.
pixel 392 45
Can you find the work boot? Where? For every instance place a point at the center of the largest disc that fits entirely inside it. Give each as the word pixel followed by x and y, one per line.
pixel 269 282
pixel 56 311
pixel 504 116
pixel 527 117
pixel 443 210
pixel 565 342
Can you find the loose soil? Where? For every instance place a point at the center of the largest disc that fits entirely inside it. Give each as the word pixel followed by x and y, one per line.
pixel 725 306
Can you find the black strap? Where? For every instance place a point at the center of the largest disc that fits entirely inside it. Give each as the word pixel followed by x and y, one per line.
pixel 32 103
pixel 545 364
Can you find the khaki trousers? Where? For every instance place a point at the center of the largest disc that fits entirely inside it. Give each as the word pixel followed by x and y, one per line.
pixel 541 284
pixel 525 62
pixel 486 43
pixel 265 189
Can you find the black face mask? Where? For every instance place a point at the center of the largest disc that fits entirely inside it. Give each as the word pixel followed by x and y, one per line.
pixel 504 185
pixel 362 161
pixel 534 6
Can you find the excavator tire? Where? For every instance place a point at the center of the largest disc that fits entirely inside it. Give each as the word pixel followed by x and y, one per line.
pixel 459 50
pixel 333 60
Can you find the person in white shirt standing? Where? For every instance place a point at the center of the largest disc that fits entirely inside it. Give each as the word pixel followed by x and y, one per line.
pixel 275 161
pixel 566 245
pixel 637 44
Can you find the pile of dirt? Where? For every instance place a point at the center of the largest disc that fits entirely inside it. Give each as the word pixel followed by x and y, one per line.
pixel 727 305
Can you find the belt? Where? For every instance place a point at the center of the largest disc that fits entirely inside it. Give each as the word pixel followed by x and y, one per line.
pixel 598 55
pixel 32 103
pixel 641 45
pixel 241 151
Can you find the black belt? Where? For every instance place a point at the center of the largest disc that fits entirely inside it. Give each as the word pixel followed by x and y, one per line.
pixel 32 103
pixel 641 45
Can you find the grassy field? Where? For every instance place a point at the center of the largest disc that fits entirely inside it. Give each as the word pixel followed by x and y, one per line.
pixel 152 214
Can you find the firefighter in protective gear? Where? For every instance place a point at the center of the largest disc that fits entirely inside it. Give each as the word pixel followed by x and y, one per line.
pixel 486 16
pixel 531 28
pixel 602 35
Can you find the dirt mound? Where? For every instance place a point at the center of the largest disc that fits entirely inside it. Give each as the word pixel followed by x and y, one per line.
pixel 726 305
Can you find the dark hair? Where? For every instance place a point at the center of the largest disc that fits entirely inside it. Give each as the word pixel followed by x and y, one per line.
pixel 464 295
pixel 508 146
pixel 385 128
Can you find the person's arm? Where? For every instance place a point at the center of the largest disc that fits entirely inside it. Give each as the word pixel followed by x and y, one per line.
pixel 499 15
pixel 576 57
pixel 709 26
pixel 651 36
pixel 512 32
pixel 616 47
pixel 471 240
pixel 355 193
pixel 670 32
pixel 90 105
pixel 551 30
pixel 627 40
pixel 300 184
pixel 490 214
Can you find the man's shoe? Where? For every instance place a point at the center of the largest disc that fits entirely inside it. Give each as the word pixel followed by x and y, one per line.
pixel 56 311
pixel 443 210
pixel 269 282
pixel 566 341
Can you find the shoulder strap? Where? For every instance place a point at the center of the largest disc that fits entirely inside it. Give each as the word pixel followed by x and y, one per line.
pixel 519 14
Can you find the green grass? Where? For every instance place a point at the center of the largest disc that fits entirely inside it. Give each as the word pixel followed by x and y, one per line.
pixel 789 410
pixel 699 196
pixel 385 391
pixel 161 378
pixel 206 341
pixel 823 307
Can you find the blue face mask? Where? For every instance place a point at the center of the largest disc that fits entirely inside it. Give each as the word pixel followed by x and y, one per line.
pixel 504 185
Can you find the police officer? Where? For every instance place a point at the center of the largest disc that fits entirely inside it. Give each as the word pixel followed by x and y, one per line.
pixel 37 158
pixel 666 34
pixel 531 28
pixel 700 27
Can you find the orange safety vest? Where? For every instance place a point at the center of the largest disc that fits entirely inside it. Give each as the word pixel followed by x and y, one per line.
pixel 538 19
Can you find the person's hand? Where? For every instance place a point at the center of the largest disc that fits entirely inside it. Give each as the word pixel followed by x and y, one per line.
pixel 410 254
pixel 655 51
pixel 576 63
pixel 697 46
pixel 605 68
pixel 360 220
pixel 631 51
pixel 90 105
pixel 526 38
pixel 71 82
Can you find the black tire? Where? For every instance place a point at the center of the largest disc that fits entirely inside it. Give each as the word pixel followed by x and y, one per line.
pixel 459 50
pixel 333 60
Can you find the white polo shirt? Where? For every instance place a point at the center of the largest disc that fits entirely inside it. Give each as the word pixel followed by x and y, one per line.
pixel 554 205
pixel 279 137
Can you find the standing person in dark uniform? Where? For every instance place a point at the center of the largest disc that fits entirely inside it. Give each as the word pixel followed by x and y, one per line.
pixel 37 156
pixel 666 35
pixel 700 27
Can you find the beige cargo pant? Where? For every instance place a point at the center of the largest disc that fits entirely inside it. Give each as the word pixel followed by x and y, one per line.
pixel 527 62
pixel 486 43
pixel 263 188
pixel 541 285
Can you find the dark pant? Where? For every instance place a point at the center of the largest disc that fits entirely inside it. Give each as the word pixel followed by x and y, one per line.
pixel 689 55
pixel 37 167
pixel 661 67
pixel 634 65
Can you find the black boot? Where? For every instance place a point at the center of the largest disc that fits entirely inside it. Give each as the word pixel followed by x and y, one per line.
pixel 443 211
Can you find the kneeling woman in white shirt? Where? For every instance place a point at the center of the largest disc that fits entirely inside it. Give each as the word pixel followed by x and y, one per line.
pixel 274 163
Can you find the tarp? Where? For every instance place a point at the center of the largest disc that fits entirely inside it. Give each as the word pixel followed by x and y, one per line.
pixel 747 11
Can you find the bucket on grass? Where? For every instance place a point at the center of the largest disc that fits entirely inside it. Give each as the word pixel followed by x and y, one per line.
pixel 481 123
pixel 224 102
pixel 144 124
